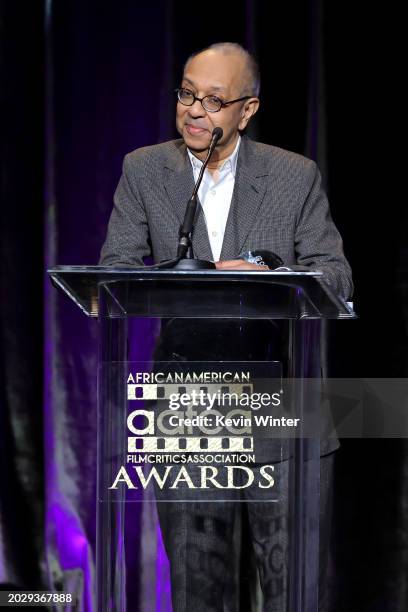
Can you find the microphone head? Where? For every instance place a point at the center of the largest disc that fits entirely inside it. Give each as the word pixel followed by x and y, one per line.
pixel 217 134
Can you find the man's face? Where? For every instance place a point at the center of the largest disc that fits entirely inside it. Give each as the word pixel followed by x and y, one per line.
pixel 223 75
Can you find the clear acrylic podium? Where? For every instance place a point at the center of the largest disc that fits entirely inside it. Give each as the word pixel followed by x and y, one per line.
pixel 295 302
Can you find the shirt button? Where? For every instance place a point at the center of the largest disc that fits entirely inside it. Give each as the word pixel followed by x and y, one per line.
pixel 214 234
pixel 213 192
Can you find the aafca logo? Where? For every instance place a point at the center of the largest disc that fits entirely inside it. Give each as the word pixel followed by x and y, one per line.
pixel 188 428
pixel 191 423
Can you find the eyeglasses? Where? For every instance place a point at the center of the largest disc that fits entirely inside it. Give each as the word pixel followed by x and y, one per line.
pixel 212 104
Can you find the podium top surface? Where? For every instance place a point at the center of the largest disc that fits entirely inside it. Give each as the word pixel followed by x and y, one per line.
pixel 205 293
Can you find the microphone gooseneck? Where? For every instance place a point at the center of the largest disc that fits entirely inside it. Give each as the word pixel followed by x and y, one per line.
pixel 188 222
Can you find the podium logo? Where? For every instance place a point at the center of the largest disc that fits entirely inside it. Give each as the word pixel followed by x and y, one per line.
pixel 196 425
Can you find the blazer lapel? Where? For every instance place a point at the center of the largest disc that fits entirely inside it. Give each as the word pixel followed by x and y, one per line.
pixel 179 184
pixel 249 192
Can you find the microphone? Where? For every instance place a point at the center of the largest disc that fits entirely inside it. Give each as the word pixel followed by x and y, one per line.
pixel 215 137
pixel 188 222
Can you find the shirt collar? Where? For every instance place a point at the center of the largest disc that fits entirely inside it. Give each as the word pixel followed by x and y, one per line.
pixel 229 165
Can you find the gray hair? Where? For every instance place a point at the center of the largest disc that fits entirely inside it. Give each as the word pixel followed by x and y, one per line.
pixel 253 83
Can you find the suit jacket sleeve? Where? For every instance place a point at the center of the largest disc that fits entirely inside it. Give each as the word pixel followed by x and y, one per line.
pixel 318 243
pixel 127 240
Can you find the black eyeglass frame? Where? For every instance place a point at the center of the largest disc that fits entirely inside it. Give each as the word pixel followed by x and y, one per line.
pixel 222 104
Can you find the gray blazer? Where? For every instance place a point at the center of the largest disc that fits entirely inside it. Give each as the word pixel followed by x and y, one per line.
pixel 278 204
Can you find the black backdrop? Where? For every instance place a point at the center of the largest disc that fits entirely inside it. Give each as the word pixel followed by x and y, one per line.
pixel 82 83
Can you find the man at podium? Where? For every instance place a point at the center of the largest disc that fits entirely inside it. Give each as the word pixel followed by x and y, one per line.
pixel 253 197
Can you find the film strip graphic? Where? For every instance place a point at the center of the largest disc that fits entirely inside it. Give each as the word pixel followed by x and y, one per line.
pixel 152 444
pixel 157 391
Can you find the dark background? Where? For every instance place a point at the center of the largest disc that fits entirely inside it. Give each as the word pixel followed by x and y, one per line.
pixel 84 82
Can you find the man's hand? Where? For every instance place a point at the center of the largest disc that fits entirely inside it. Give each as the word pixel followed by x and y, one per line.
pixel 238 264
